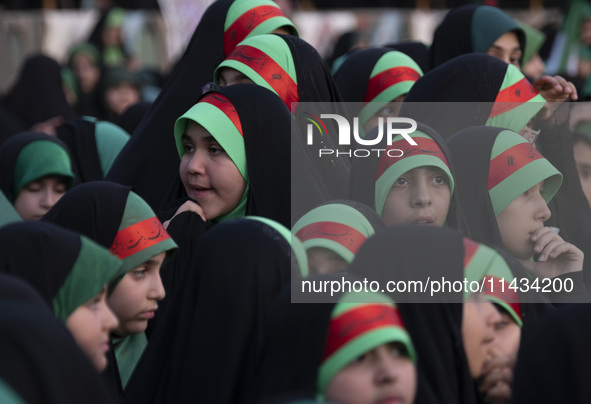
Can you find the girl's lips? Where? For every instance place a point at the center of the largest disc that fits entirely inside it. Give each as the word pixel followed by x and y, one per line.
pixel 147 314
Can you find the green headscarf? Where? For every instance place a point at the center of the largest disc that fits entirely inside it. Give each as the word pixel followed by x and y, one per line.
pixel 488 24
pixel 39 159
pixel 7 212
pixel 484 265
pixel 369 324
pixel 427 153
pixel 516 103
pixel 516 166
pixel 110 140
pixel 93 269
pixel 534 40
pixel 222 122
pixel 337 227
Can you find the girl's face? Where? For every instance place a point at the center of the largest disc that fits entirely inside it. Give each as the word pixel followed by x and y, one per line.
pixel 209 175
pixel 419 196
pixel 507 334
pixel 119 98
pixel 383 375
pixel 86 71
pixel 90 325
pixel 391 109
pixel 507 48
pixel 324 261
pixel 524 215
pixel 135 298
pixel 478 331
pixel 37 197
pixel 229 76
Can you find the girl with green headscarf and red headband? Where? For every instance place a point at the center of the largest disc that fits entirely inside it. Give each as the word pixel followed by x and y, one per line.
pixel 354 350
pixel 379 79
pixel 506 186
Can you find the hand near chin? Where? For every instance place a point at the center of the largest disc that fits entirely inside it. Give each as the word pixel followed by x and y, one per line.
pixel 188 206
pixel 497 378
pixel 556 257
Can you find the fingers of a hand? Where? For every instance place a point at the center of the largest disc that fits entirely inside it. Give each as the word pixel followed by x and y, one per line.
pixel 499 361
pixel 566 250
pixel 539 232
pixel 501 393
pixel 499 375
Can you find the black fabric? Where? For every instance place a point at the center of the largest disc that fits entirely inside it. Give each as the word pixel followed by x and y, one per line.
pixel 364 170
pixel 96 36
pixel 296 336
pixel 149 161
pixel 10 124
pixel 55 252
pixel 79 135
pixel 464 89
pixel 38 94
pixel 435 328
pixel 40 359
pixel 343 45
pixel 418 51
pixel 214 327
pixel 316 85
pixel 131 118
pixel 94 209
pixel 553 362
pixel 14 288
pixel 9 152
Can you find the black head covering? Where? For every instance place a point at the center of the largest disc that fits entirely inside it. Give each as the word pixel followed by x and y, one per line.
pixel 460 32
pixel 364 171
pixel 474 80
pixel 38 93
pixel 40 359
pixel 435 328
pixel 561 374
pixel 131 118
pixel 345 42
pixel 9 152
pixel 79 135
pixel 96 36
pixel 213 328
pixel 418 51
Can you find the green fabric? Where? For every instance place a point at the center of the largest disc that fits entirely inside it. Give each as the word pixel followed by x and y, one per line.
pixel 94 268
pixel 7 212
pixel 294 242
pixel 534 40
pixel 388 61
pixel 227 135
pixel 137 210
pixel 488 262
pixel 128 352
pixel 334 212
pixel 240 7
pixel 69 80
pixel 578 11
pixel 403 165
pixel 516 118
pixel 8 395
pixel 85 49
pixel 523 179
pixel 116 18
pixel 361 344
pixel 488 24
pixel 39 159
pixel 110 140
pixel 272 45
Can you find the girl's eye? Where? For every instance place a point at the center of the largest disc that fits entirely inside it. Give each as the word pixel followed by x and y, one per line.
pixel 386 112
pixel 401 181
pixel 526 193
pixel 501 324
pixel 359 359
pixel 33 187
pixel 440 180
pixel 216 150
pixel 187 148
pixel 139 274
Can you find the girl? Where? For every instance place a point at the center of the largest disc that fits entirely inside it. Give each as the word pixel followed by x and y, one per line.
pixel 500 171
pixel 354 350
pixel 333 232
pixel 71 273
pixel 387 76
pixel 41 362
pixel 35 171
pixel 118 219
pixel 224 22
pixel 417 187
